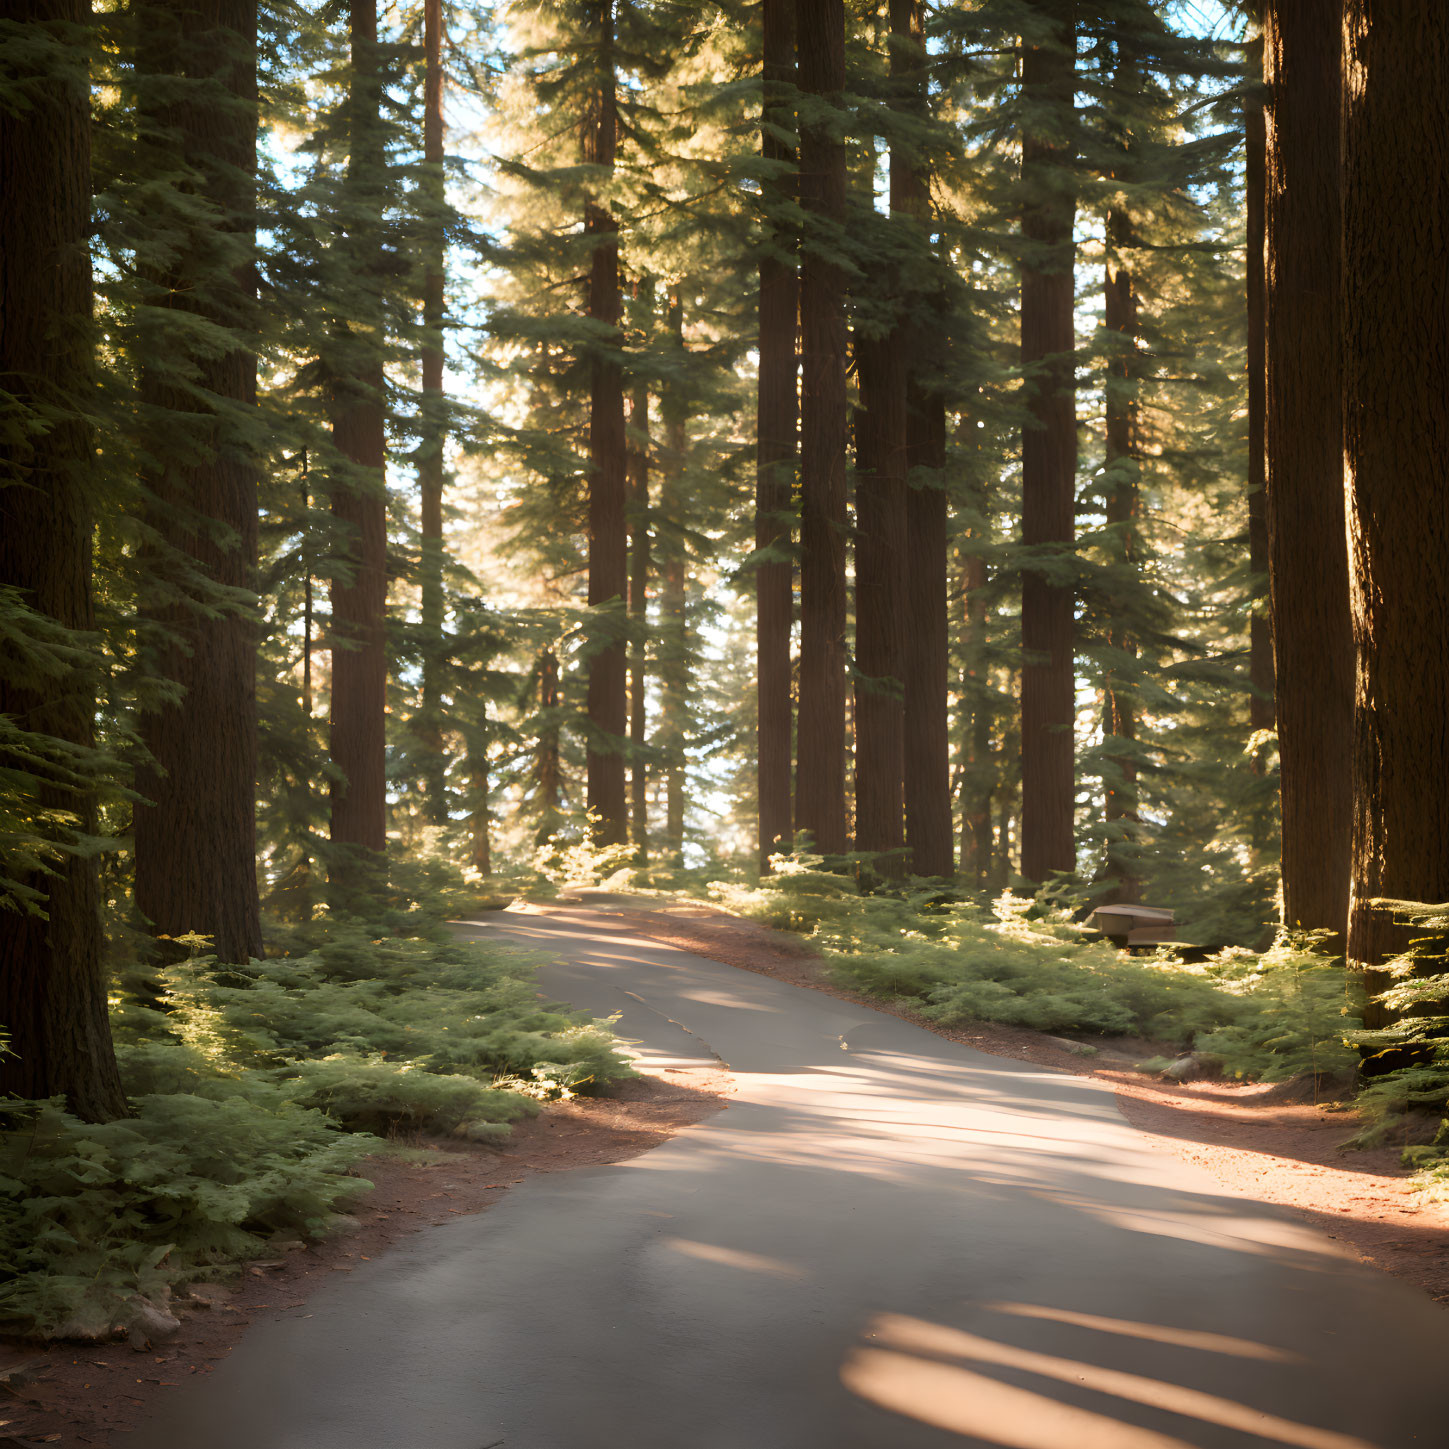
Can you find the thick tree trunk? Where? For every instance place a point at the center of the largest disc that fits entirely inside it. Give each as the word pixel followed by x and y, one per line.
pixel 359 492
pixel 434 423
pixel 608 527
pixel 639 566
pixel 1308 566
pixel 1119 722
pixel 777 443
pixel 1395 321
pixel 1048 457
pixel 880 623
pixel 52 987
pixel 820 771
pixel 195 839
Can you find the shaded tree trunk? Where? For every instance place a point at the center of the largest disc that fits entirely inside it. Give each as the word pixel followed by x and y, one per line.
pixel 820 768
pixel 195 841
pixel 431 445
pixel 880 624
pixel 976 774
pixel 1119 720
pixel 1048 456
pixel 52 987
pixel 639 566
pixel 1396 437
pixel 359 490
pixel 608 528
pixel 1308 566
pixel 480 816
pixel 778 419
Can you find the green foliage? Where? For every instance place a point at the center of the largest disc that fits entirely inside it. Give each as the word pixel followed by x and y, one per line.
pixel 254 1089
pixel 93 1214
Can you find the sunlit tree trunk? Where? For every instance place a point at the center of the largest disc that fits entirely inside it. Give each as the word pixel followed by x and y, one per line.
pixel 639 566
pixel 1395 322
pixel 52 987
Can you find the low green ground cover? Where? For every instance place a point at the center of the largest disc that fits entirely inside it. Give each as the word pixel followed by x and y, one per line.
pixel 255 1091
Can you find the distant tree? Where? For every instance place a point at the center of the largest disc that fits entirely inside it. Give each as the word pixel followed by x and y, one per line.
pixel 52 987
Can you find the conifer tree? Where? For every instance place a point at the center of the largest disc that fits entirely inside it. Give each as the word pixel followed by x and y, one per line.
pixel 1395 321
pixel 1312 640
pixel 608 534
pixel 358 487
pixel 820 768
pixel 777 422
pixel 195 829
pixel 640 561
pixel 52 989
pixel 1048 444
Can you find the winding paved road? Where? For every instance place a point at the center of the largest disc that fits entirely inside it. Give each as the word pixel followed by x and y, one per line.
pixel 887 1241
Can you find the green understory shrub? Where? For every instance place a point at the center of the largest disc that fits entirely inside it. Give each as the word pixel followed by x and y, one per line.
pixel 255 1091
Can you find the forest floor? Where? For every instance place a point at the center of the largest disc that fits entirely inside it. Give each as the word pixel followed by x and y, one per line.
pixel 1288 1154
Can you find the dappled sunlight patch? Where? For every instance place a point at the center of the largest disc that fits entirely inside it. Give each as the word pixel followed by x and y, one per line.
pixel 1150 1332
pixel 733 1258
pixel 915 1367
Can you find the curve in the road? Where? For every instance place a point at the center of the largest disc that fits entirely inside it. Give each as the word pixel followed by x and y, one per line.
pixel 888 1241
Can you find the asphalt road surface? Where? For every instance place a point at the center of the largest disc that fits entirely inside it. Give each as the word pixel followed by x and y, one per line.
pixel 887 1241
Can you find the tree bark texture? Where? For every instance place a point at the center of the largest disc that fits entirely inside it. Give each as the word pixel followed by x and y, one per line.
pixel 52 988
pixel 977 773
pixel 880 623
pixel 820 744
pixel 925 659
pixel 639 566
pixel 1261 714
pixel 777 440
pixel 195 838
pixel 434 437
pixel 1048 455
pixel 1123 504
pixel 547 769
pixel 1308 565
pixel 1395 322
pixel 608 528
pixel 359 490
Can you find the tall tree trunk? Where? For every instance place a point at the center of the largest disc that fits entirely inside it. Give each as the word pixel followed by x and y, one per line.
pixel 1261 713
pixel 777 429
pixel 433 420
pixel 1396 438
pixel 820 772
pixel 1120 460
pixel 547 770
pixel 608 528
pixel 359 491
pixel 195 839
pixel 480 816
pixel 880 625
pixel 976 774
pixel 674 665
pixel 639 565
pixel 1048 454
pixel 1308 565
pixel 52 988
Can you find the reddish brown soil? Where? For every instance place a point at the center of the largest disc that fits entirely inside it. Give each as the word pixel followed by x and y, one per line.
pixel 1286 1154
pixel 81 1394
